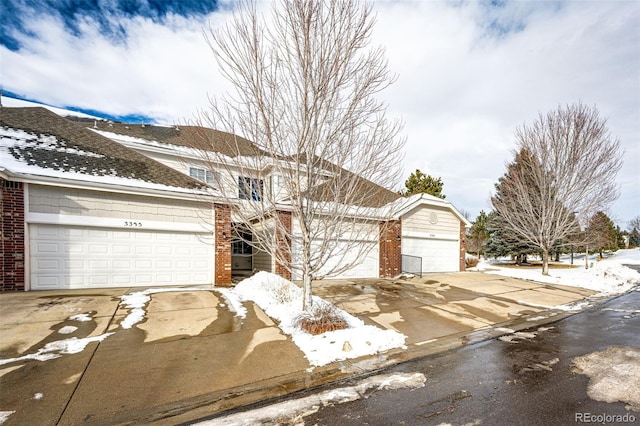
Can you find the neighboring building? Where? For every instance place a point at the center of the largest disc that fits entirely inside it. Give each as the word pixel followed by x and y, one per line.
pixel 90 204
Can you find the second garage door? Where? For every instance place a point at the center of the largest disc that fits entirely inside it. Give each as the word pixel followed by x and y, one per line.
pixel 438 255
pixel 69 257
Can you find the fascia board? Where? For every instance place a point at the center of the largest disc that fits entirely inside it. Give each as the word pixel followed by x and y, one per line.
pixel 121 189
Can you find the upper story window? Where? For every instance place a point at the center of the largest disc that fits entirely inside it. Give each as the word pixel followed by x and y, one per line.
pixel 250 188
pixel 202 175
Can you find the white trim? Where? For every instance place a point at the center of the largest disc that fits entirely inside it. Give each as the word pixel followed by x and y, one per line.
pixel 120 223
pixel 27 240
pixel 114 188
pixel 429 235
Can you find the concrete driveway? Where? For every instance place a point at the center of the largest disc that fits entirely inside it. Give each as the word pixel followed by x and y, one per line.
pixel 192 356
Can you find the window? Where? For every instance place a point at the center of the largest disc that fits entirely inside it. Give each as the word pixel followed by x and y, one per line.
pixel 250 188
pixel 240 245
pixel 201 174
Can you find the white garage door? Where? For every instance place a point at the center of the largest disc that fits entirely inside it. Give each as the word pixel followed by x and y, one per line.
pixel 66 257
pixel 437 255
pixel 367 268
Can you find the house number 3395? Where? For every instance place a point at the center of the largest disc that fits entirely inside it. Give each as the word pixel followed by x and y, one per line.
pixel 133 224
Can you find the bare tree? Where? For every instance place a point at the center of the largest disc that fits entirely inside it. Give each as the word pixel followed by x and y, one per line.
pixel 564 172
pixel 304 92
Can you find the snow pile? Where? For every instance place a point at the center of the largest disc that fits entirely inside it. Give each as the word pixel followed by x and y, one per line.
pixel 614 375
pixel 608 276
pixel 282 301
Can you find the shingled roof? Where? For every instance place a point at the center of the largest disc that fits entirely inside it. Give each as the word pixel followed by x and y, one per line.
pixel 39 137
pixel 185 136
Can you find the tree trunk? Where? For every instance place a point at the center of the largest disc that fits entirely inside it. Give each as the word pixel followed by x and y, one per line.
pixel 586 257
pixel 306 268
pixel 545 262
pixel 306 298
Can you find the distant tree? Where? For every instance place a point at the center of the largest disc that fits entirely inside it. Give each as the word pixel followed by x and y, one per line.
pixel 478 233
pixel 634 238
pixel 419 183
pixel 621 236
pixel 601 233
pixel 564 170
pixel 634 224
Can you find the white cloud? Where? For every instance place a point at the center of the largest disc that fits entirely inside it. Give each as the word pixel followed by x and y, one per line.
pixel 468 75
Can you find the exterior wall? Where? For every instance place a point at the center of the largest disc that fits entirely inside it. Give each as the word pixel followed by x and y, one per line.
pixel 262 261
pixel 12 238
pixel 390 248
pixel 463 248
pixel 422 220
pixel 78 202
pixel 283 244
pixel 222 214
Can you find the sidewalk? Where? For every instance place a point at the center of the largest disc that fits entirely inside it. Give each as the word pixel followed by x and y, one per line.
pixel 192 357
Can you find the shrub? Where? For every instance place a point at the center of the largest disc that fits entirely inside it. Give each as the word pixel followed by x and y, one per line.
pixel 471 261
pixel 321 318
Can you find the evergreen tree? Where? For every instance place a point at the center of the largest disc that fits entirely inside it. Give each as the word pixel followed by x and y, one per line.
pixel 478 233
pixel 419 183
pixel 634 238
pixel 502 242
pixel 602 233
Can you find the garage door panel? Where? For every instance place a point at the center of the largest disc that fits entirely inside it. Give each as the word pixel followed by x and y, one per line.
pixel 437 255
pixel 367 268
pixel 75 257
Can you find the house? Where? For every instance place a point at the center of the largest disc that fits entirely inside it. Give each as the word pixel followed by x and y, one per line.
pixel 90 204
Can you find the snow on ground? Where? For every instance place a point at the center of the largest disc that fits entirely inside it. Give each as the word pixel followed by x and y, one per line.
pixel 608 276
pixel 282 301
pixel 4 416
pixel 56 349
pixel 614 375
pixel 292 411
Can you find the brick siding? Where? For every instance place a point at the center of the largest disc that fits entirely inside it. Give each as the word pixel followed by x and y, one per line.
pixel 12 244
pixel 463 246
pixel 390 248
pixel 222 214
pixel 283 244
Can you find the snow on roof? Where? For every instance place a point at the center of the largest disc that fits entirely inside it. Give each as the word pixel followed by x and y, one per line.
pixel 37 144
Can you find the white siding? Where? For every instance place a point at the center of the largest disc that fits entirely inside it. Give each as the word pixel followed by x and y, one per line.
pixel 77 202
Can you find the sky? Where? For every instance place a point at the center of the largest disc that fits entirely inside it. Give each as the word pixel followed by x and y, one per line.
pixel 469 73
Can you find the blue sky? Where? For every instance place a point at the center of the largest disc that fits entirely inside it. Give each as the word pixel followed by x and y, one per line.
pixel 469 72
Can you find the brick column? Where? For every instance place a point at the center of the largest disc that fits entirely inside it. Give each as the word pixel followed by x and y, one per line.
pixel 390 248
pixel 463 246
pixel 283 244
pixel 12 244
pixel 222 215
